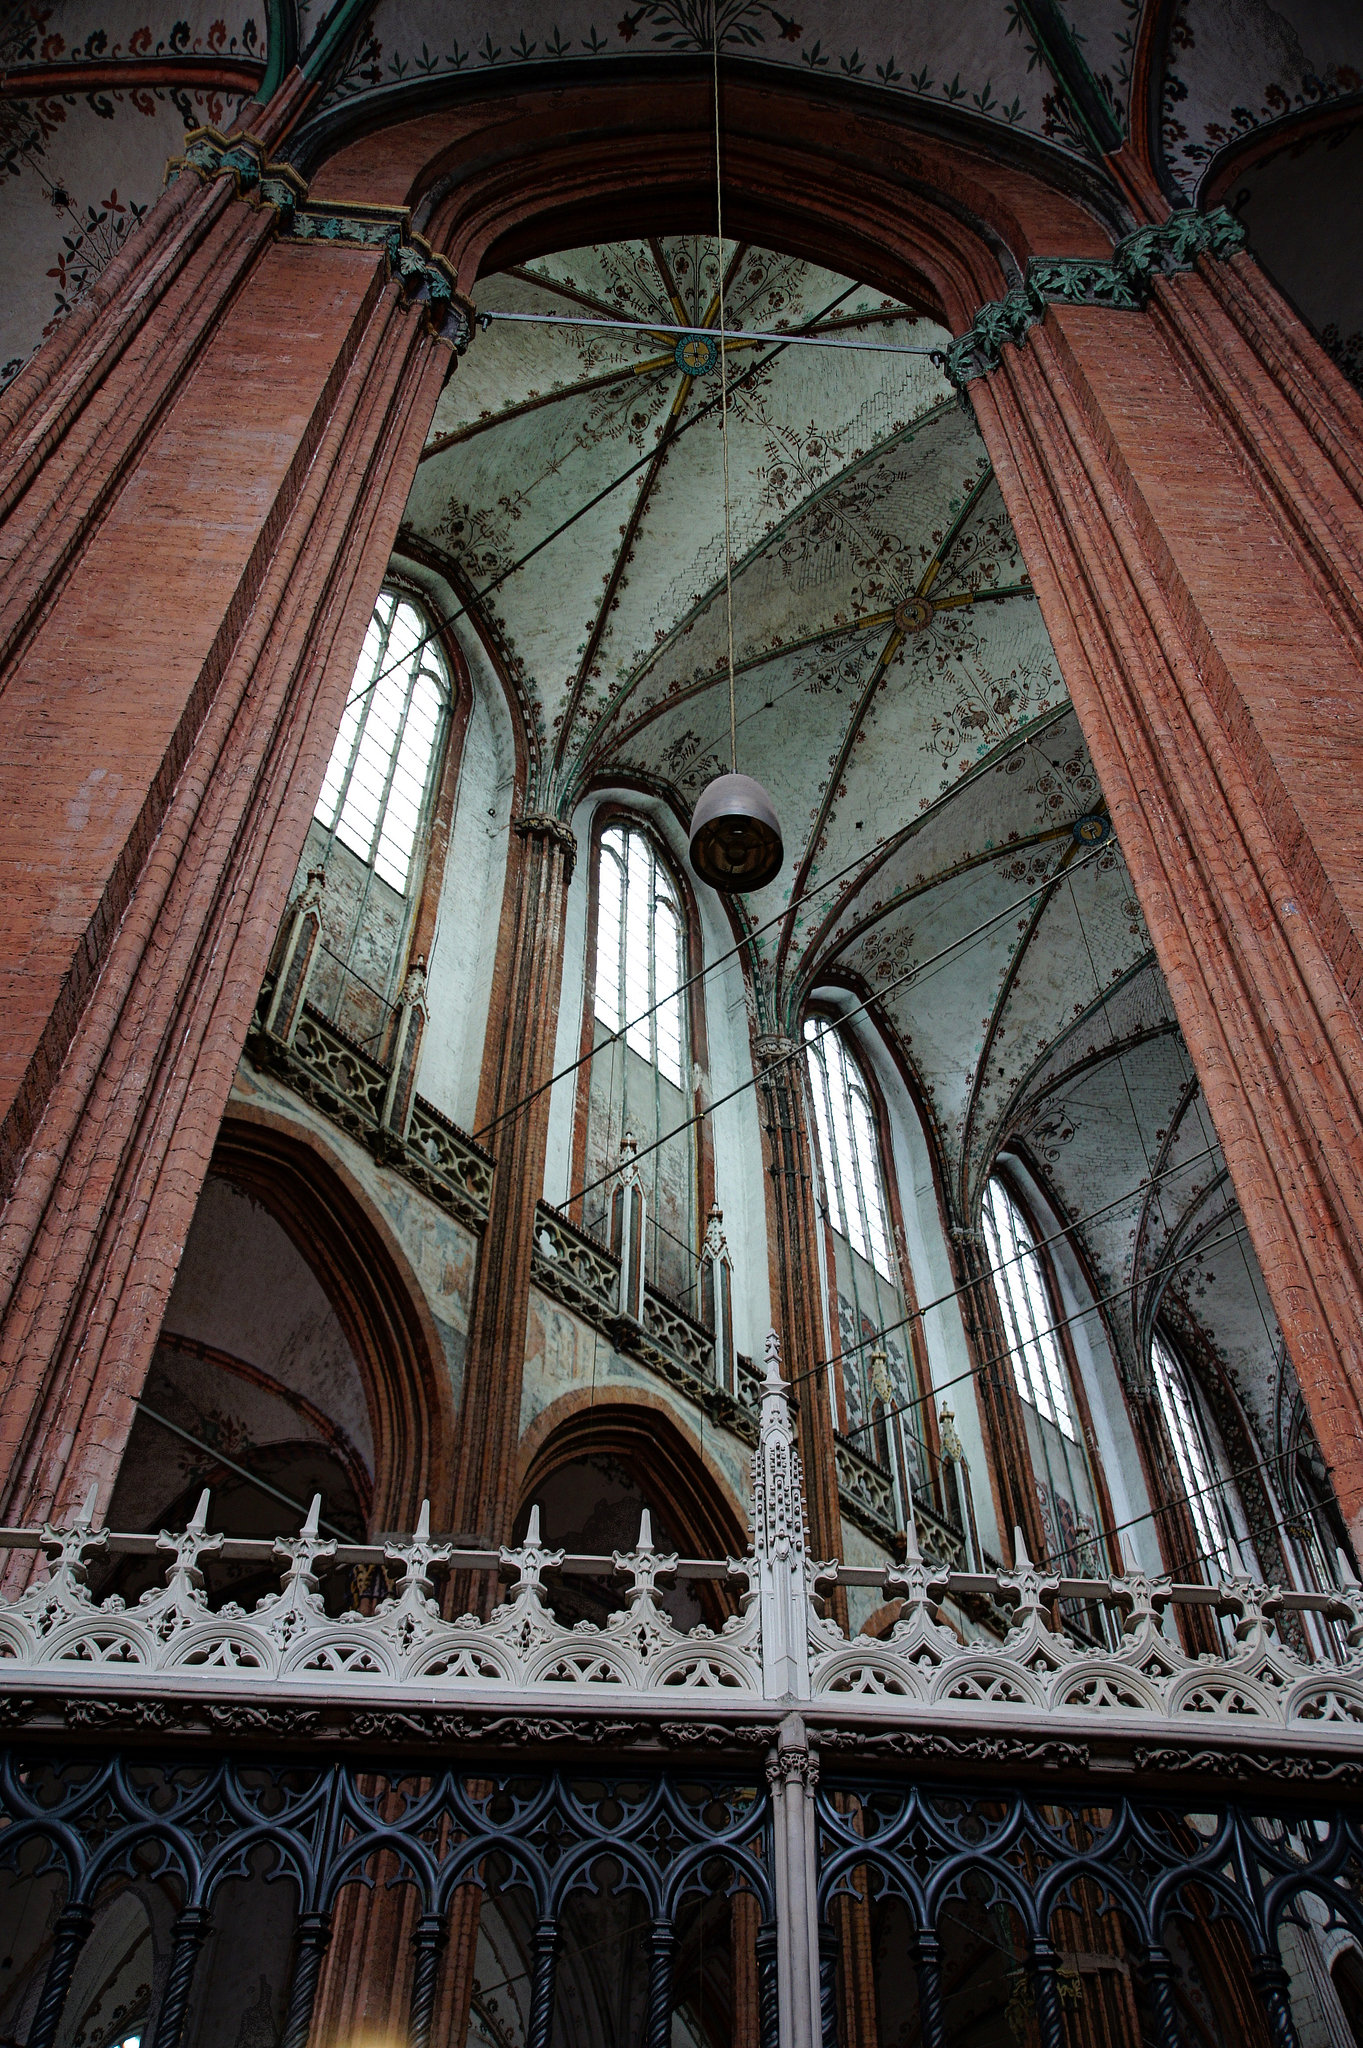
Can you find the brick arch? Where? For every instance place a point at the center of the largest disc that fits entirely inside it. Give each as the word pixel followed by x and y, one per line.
pixel 655 1448
pixel 946 219
pixel 377 1298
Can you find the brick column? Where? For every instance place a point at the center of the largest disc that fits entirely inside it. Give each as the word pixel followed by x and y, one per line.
pixel 519 1061
pixel 796 1247
pixel 77 418
pixel 226 450
pixel 1185 484
pixel 1291 412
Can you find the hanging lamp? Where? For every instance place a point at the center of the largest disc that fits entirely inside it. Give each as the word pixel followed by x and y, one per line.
pixel 735 838
pixel 735 835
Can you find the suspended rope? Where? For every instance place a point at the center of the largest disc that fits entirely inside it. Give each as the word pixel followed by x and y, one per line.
pixel 724 394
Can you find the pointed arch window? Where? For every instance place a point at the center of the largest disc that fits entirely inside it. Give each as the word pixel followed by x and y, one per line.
pixel 1196 1461
pixel 377 788
pixel 639 951
pixel 1024 1303
pixel 640 1082
pixel 879 1408
pixel 1071 1498
pixel 848 1146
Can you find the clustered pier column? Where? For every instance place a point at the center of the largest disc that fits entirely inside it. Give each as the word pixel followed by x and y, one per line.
pixel 1180 461
pixel 166 714
pixel 794 1218
pixel 518 1062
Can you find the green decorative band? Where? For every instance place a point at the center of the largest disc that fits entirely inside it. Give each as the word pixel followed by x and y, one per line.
pixel 1124 283
pixel 424 278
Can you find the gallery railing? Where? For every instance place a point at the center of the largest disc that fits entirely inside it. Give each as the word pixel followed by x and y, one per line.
pixel 778 1649
pixel 643 1698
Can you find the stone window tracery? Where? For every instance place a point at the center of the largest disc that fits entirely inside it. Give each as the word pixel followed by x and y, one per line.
pixel 848 1146
pixel 1197 1464
pixel 884 1417
pixel 1020 1284
pixel 378 782
pixel 639 953
pixel 1070 1493
pixel 644 1034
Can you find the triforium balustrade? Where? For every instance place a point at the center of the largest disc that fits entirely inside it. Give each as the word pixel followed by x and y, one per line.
pixel 964 1822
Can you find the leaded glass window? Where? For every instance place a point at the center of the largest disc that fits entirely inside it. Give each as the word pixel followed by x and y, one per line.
pixel 639 955
pixel 378 781
pixel 848 1146
pixel 1028 1321
pixel 1192 1455
pixel 881 1406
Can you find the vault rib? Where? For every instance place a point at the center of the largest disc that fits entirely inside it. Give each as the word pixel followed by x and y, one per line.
pixel 669 433
pixel 1092 1060
pixel 459 435
pixel 883 660
pixel 1006 988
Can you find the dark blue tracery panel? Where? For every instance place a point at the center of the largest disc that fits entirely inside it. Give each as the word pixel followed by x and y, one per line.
pixel 1073 1917
pixel 654 1847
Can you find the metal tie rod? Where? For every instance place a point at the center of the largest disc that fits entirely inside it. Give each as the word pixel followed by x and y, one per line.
pixel 882 348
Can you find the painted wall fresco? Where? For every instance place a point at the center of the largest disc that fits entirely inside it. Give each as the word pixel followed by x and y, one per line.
pixel 78 175
pixel 1238 65
pixel 569 1363
pixel 975 60
pixel 440 1251
pixel 357 970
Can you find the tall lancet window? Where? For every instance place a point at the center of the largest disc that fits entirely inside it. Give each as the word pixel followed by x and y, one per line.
pixel 370 828
pixel 1207 1496
pixel 378 780
pixel 639 1082
pixel 881 1416
pixel 1033 1326
pixel 639 960
pixel 850 1147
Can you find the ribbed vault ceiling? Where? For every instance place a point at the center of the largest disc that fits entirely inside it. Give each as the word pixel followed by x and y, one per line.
pixel 948 854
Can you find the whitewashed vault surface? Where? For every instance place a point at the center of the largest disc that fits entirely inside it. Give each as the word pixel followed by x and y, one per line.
pixel 948 851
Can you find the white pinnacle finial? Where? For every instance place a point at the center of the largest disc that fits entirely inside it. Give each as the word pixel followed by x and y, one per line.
pixel 645 1530
pixel 423 1522
pixel 912 1554
pixel 86 1518
pixel 532 1533
pixel 310 1525
pixel 773 1360
pixel 1021 1561
pixel 199 1520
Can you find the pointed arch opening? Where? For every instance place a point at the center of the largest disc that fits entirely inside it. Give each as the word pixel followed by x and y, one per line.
pixel 297 1356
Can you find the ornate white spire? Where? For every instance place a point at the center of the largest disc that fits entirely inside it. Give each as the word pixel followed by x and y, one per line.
pixel 780 1538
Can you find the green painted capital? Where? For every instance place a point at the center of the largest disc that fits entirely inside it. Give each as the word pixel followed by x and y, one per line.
pixel 210 155
pixel 1122 283
pixel 424 278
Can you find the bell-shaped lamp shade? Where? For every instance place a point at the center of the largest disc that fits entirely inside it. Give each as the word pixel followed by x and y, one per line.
pixel 735 839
